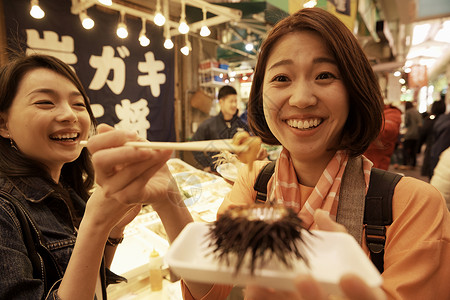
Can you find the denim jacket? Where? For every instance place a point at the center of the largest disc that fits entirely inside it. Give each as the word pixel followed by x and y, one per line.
pixel 55 220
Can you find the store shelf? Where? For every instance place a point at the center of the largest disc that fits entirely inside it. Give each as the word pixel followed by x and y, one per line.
pixel 213 70
pixel 212 84
pixel 212 77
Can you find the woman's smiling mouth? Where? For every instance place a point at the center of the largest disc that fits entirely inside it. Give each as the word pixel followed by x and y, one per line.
pixel 304 124
pixel 65 137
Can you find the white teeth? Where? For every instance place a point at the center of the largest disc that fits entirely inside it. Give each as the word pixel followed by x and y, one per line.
pixel 64 136
pixel 306 124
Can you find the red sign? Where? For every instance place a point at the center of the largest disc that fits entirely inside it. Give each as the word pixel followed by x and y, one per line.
pixel 417 78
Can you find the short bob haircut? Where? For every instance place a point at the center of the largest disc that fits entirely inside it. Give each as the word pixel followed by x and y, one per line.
pixel 365 116
pixel 78 174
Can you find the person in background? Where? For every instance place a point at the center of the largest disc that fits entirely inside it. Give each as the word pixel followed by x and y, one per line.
pixel 426 135
pixel 381 150
pixel 441 136
pixel 44 114
pixel 441 176
pixel 315 93
pixel 413 124
pixel 223 126
pixel 397 155
pixel 243 116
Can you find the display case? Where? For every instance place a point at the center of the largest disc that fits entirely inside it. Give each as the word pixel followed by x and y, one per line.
pixel 202 193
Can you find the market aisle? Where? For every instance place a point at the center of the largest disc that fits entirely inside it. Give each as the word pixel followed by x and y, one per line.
pixel 412 173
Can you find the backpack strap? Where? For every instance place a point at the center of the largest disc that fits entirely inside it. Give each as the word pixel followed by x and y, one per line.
pixel 350 210
pixel 377 209
pixel 378 212
pixel 262 180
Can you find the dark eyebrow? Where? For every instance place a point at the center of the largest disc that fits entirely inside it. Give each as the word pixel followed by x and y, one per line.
pixel 324 60
pixel 52 92
pixel 280 63
pixel 315 61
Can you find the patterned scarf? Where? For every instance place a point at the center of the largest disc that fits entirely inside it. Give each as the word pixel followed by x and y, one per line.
pixel 325 194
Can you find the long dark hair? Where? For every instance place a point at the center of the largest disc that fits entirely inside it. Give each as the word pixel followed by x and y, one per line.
pixel 365 116
pixel 79 174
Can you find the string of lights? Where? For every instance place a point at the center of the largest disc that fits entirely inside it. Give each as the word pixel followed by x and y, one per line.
pixel 159 18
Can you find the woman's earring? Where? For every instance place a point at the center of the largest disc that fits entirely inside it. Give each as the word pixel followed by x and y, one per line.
pixel 13 144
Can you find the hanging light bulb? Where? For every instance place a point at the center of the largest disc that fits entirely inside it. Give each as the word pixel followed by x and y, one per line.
pixel 159 18
pixel 183 28
pixel 187 47
pixel 143 39
pixel 310 4
pixel 106 2
pixel 86 21
pixel 36 11
pixel 204 31
pixel 122 30
pixel 249 44
pixel 168 44
pixel 185 50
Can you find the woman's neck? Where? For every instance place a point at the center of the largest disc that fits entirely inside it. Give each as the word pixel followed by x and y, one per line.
pixel 55 174
pixel 309 170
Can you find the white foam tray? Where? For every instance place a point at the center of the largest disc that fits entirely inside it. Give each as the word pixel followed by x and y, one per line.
pixel 228 171
pixel 330 255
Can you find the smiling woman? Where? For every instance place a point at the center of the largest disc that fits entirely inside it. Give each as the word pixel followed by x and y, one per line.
pixel 47 117
pixel 314 93
pixel 47 178
pixel 303 86
pixel 36 103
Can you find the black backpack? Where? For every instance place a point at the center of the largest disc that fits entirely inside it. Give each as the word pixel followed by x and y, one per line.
pixel 377 210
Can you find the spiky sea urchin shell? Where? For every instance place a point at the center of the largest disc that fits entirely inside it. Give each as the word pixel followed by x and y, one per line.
pixel 255 230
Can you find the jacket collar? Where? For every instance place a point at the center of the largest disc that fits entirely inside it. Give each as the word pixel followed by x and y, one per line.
pixel 232 118
pixel 33 189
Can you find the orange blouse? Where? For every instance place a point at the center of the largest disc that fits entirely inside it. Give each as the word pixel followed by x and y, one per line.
pixel 417 252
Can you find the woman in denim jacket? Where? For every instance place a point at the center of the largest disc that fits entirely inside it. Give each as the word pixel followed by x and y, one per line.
pixel 44 114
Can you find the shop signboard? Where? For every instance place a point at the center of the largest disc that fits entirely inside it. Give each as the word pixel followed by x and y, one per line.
pixel 418 77
pixel 130 86
pixel 345 10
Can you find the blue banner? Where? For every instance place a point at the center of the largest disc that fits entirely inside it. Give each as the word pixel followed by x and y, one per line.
pixel 130 86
